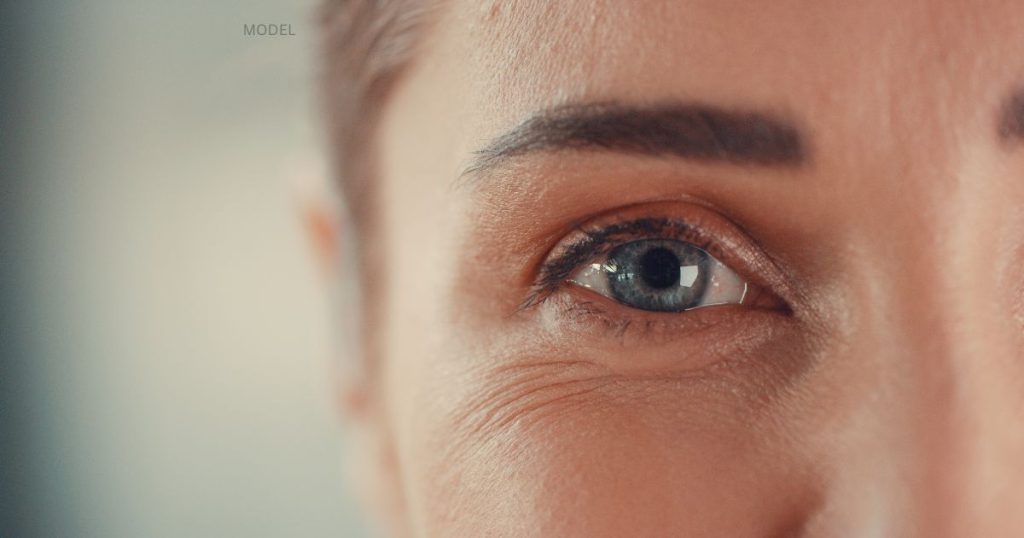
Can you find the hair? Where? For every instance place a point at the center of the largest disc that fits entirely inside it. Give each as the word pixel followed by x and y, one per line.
pixel 366 45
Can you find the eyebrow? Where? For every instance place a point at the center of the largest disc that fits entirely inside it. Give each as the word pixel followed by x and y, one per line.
pixel 1011 121
pixel 692 131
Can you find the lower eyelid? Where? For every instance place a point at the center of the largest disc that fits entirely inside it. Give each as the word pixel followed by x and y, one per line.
pixel 598 331
pixel 587 313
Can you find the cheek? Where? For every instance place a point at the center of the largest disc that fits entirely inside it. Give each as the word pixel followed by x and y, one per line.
pixel 556 448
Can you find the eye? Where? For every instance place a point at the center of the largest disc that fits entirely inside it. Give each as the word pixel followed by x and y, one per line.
pixel 661 275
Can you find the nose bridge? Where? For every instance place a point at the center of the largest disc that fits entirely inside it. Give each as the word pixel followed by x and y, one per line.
pixel 934 330
pixel 938 425
pixel 985 479
pixel 919 347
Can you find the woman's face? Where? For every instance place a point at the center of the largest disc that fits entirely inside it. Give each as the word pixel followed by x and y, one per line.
pixel 706 268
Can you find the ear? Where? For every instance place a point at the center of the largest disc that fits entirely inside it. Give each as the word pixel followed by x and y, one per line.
pixel 324 225
pixel 372 463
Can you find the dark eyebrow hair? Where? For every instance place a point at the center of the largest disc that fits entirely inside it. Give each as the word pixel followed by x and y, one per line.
pixel 1011 117
pixel 691 131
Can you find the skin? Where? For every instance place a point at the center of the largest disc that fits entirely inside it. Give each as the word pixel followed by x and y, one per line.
pixel 887 401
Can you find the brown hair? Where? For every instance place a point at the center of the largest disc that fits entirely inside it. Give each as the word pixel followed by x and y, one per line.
pixel 365 46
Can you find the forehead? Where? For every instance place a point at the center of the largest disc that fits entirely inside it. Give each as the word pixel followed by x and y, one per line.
pixel 512 58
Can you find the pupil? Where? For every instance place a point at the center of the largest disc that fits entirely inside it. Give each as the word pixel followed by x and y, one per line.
pixel 659 268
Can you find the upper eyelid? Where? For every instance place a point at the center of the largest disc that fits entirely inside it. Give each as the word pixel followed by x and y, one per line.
pixel 647 227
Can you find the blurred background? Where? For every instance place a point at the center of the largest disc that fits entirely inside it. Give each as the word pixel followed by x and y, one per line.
pixel 166 341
